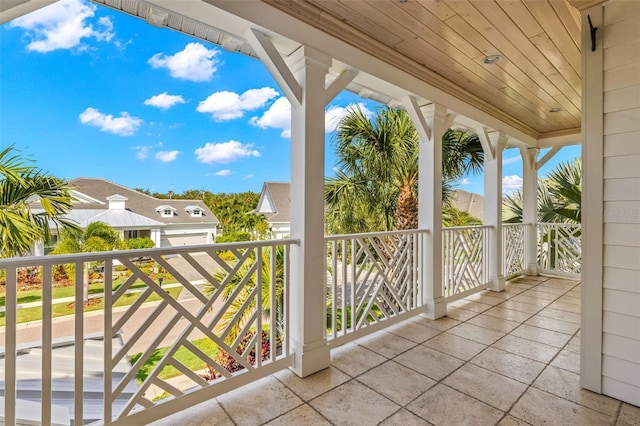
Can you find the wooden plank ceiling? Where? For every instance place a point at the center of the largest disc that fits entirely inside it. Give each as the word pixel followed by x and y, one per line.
pixel 444 42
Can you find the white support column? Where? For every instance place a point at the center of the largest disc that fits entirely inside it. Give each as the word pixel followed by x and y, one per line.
pixel 308 262
pixel 493 205
pixel 530 205
pixel 431 123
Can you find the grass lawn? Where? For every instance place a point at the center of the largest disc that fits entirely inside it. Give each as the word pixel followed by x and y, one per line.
pixel 183 356
pixel 62 309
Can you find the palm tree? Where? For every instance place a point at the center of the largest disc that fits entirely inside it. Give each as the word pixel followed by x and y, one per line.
pixel 559 196
pixel 375 185
pixel 243 306
pixel 21 183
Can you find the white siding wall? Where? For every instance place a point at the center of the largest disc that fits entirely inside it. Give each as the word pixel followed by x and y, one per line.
pixel 621 280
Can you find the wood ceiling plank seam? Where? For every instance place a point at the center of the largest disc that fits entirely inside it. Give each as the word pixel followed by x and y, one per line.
pixel 337 28
pixel 550 22
pixel 549 90
pixel 378 32
pixel 570 20
pixel 301 9
pixel 548 48
pixel 575 99
pixel 438 9
pixel 463 64
pixel 474 18
pixel 569 108
pixel 511 31
pixel 423 17
pixel 540 114
pixel 521 15
pixel 534 73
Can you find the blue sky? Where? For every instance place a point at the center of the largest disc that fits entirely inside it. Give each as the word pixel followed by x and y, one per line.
pixel 88 91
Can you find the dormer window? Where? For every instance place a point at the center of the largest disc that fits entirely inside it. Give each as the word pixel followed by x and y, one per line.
pixel 166 211
pixel 194 211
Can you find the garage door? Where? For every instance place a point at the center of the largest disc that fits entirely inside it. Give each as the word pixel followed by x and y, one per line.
pixel 183 240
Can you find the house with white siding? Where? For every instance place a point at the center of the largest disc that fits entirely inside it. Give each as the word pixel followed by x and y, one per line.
pixel 274 204
pixel 168 223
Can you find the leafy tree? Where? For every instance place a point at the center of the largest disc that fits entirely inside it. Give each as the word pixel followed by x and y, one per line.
pixel 375 185
pixel 138 243
pixel 21 183
pixel 559 196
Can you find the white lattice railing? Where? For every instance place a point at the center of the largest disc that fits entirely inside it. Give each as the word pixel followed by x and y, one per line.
pixel 514 249
pixel 560 248
pixel 228 293
pixel 372 279
pixel 465 266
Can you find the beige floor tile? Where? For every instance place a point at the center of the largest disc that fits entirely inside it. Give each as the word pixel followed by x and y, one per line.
pixel 562 306
pixel 493 298
pixel 537 407
pixel 513 290
pixel 560 315
pixel 354 404
pixel 460 314
pixel 489 387
pixel 493 323
pixel 413 331
pixel 511 365
pixel 526 348
pixel 512 421
pixel 456 346
pixel 314 385
pixel 259 402
pixel 405 418
pixel 629 415
pixel 573 345
pixel 532 299
pixel 547 288
pixel 568 360
pixel 574 293
pixel 429 362
pixel 553 324
pixel 508 314
pixel 566 384
pixel 354 359
pixel 541 335
pixel 442 405
pixel 562 283
pixel 440 324
pixel 386 344
pixel 397 382
pixel 470 305
pixel 570 299
pixel 197 415
pixel 517 304
pixel 477 334
pixel 303 415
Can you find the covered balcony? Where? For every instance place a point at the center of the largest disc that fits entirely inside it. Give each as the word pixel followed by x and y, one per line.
pixel 433 326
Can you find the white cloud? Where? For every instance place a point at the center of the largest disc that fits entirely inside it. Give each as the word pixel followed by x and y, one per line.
pixel 63 25
pixel 511 183
pixel 249 176
pixel 125 125
pixel 195 62
pixel 335 113
pixel 229 105
pixel 278 116
pixel 465 181
pixel 142 151
pixel 164 101
pixel 166 156
pixel 511 160
pixel 225 152
pixel 224 172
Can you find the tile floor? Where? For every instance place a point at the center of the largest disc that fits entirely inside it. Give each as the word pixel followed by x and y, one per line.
pixel 508 358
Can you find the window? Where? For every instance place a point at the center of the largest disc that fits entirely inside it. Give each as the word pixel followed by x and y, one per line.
pixel 132 234
pixel 196 213
pixel 167 213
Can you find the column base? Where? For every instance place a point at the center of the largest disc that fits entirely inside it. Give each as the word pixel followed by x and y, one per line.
pixel 309 361
pixel 497 283
pixel 532 269
pixel 436 309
